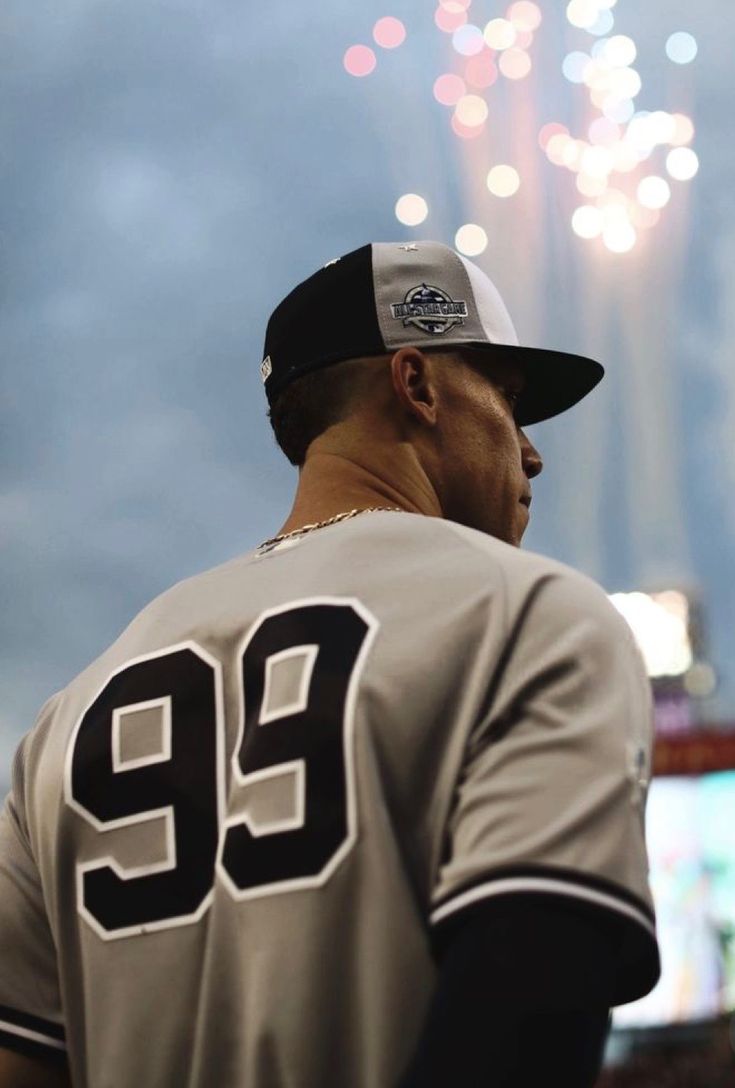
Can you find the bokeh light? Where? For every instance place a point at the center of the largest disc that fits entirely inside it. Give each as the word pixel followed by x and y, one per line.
pixel 481 71
pixel 682 163
pixel 624 82
pixel 640 134
pixel 471 110
pixel 359 60
pixel 514 63
pixel 524 39
pixel 643 217
pixel 624 156
pixel 503 180
pixel 587 221
pixel 524 15
pixel 653 191
pixel 389 32
pixel 500 34
pixel 603 24
pixel 614 204
pixel 454 6
pixel 575 65
pixel 572 152
pixel 596 162
pixel 466 132
pixel 619 51
pixel 618 109
pixel 471 240
pixel 553 128
pixel 411 209
pixel 468 40
pixel 588 185
pixel 619 235
pixel 683 129
pixel 555 147
pixel 604 131
pixel 449 88
pixel 681 47
pixel 583 13
pixel 662 125
pixel 449 21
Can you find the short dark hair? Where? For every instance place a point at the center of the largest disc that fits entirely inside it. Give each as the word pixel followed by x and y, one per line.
pixel 320 398
pixel 315 401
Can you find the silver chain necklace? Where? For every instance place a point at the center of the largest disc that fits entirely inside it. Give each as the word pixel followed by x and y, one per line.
pixel 329 521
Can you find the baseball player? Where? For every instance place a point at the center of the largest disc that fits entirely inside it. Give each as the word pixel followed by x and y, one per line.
pixel 364 806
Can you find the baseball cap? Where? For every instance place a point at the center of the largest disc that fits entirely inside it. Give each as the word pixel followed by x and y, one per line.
pixel 387 295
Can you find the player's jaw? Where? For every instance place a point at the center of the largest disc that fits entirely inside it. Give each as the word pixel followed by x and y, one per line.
pixel 498 509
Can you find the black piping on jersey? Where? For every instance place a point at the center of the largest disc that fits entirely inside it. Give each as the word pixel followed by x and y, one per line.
pixel 31 1035
pixel 639 961
pixel 503 725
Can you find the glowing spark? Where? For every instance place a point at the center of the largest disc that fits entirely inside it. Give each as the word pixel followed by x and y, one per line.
pixel 471 110
pixel 359 60
pixel 653 191
pixel 468 40
pixel 514 63
pixel 681 47
pixel 411 209
pixel 574 66
pixel 619 51
pixel 449 21
pixel 587 221
pixel 500 34
pixel 682 163
pixel 503 181
pixel 389 32
pixel 448 89
pixel 619 237
pixel 553 128
pixel 471 240
pixel 583 13
pixel 480 71
pixel 524 15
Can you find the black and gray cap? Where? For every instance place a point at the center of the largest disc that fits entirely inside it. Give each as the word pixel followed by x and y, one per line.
pixel 388 295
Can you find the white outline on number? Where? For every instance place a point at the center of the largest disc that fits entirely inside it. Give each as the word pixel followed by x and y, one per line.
pixel 240 779
pixel 166 813
pixel 309 652
pixel 297 768
pixel 120 764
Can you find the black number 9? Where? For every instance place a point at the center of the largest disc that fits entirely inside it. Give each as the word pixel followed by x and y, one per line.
pixel 176 697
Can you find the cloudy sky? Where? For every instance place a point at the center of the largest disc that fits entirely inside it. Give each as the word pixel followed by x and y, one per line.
pixel 168 171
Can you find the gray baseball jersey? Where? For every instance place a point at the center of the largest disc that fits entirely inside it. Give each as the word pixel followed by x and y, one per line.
pixel 233 841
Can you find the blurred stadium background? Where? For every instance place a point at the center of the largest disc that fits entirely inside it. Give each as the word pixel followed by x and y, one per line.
pixel 169 170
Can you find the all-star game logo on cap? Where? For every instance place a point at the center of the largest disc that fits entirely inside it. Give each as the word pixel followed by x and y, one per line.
pixel 430 309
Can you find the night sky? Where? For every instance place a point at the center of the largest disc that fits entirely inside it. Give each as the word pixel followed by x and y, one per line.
pixel 168 171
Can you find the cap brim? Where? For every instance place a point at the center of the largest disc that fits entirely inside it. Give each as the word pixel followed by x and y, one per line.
pixel 555 380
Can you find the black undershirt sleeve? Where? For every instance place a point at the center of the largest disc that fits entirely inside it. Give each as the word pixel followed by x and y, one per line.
pixel 523 997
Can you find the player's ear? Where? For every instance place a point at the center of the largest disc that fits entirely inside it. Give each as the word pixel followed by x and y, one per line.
pixel 415 384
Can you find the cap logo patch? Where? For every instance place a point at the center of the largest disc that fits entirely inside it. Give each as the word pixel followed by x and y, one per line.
pixel 429 309
pixel 266 368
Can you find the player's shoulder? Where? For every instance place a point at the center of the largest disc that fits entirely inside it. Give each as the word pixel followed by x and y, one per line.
pixel 521 567
pixel 168 617
pixel 166 620
pixel 550 590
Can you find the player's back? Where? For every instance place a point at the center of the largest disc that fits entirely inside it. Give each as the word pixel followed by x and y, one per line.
pixel 241 861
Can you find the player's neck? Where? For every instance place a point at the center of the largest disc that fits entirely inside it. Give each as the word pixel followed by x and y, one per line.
pixel 330 484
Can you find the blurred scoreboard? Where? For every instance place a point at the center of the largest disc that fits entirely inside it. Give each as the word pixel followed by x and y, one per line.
pixel 690 817
pixel 690 835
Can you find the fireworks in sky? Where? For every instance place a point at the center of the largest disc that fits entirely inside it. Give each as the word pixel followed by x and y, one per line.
pixel 626 163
